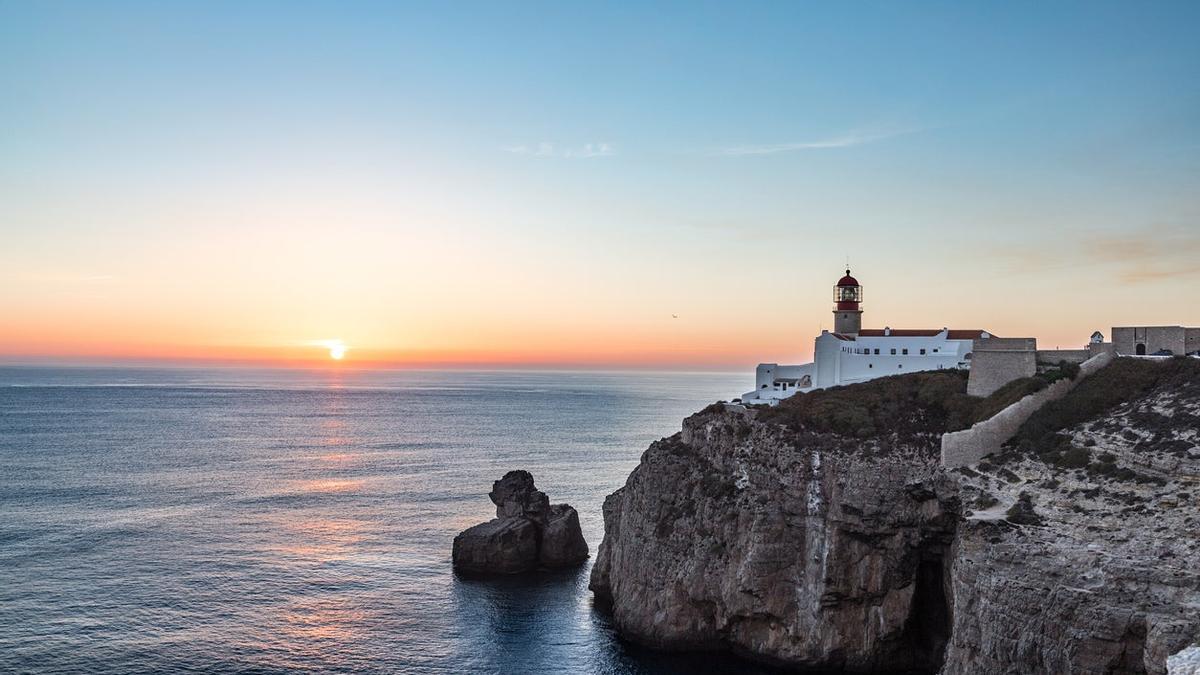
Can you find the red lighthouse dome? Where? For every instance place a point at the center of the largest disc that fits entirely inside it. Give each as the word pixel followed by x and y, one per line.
pixel 848 292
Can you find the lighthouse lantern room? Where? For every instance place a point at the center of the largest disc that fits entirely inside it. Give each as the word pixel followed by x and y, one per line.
pixel 847 313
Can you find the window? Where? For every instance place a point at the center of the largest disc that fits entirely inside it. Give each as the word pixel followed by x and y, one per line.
pixel 899 365
pixel 904 351
pixel 877 351
pixel 922 352
pixel 935 350
pixel 893 351
pixel 870 365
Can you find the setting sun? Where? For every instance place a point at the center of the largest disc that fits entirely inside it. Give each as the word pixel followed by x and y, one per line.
pixel 337 349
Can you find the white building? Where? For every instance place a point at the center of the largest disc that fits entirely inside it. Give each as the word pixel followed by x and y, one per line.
pixel 852 354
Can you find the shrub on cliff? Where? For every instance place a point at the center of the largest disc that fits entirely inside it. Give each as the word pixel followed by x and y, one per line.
pixel 1120 381
pixel 930 402
pixel 1003 397
pixel 917 403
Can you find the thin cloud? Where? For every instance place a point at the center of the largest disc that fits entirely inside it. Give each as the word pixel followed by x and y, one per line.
pixel 1145 254
pixel 590 150
pixel 1151 254
pixel 59 278
pixel 848 140
pixel 547 149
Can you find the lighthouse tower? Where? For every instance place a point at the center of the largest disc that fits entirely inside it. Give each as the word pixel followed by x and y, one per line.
pixel 847 313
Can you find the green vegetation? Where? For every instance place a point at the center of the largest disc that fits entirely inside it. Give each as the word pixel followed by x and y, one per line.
pixel 985 501
pixel 1005 396
pixel 932 402
pixel 1119 381
pixel 1073 458
pixel 935 402
pixel 917 403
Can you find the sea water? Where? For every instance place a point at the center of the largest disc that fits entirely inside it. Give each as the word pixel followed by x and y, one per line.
pixel 229 520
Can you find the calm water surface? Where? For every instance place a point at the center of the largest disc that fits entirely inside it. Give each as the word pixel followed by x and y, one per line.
pixel 271 521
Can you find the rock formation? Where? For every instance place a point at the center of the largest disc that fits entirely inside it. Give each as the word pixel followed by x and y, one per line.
pixel 526 534
pixel 795 544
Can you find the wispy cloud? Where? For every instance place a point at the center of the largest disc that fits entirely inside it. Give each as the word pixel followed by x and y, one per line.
pixel 547 149
pixel 1139 255
pixel 66 278
pixel 1151 254
pixel 847 140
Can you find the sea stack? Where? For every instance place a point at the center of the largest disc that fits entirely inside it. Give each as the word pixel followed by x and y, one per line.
pixel 527 534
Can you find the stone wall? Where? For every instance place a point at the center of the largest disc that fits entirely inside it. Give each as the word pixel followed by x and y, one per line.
pixel 960 448
pixel 997 361
pixel 1127 338
pixel 1053 357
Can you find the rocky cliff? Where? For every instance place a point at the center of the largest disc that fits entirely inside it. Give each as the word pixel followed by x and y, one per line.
pixel 825 534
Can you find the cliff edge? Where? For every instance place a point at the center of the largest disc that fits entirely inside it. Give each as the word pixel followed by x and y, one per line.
pixel 825 533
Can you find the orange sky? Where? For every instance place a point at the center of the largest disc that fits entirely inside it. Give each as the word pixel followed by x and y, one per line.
pixel 201 184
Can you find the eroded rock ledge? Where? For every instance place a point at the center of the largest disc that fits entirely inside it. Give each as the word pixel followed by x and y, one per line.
pixel 527 533
pixel 806 547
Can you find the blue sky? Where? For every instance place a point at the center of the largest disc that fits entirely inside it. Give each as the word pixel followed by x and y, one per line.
pixel 632 161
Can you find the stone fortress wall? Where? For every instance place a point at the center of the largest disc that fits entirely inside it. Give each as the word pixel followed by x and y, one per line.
pixel 960 448
pixel 1178 339
pixel 997 361
pixel 1053 357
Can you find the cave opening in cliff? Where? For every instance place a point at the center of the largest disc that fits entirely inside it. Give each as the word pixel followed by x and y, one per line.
pixel 928 629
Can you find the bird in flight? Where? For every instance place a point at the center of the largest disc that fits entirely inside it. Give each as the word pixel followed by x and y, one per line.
pixel 674 316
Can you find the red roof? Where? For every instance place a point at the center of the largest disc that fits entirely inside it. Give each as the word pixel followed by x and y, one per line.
pixel 847 280
pixel 952 334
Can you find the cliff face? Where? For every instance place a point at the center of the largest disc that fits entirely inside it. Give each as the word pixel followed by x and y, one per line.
pixel 797 550
pixel 815 548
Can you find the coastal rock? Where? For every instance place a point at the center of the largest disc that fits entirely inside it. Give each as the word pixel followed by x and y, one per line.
pixel 527 533
pixel 499 546
pixel 562 539
pixel 854 552
pixel 1022 513
pixel 516 495
pixel 803 554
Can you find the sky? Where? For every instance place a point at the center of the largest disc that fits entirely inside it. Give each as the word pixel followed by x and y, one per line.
pixel 659 185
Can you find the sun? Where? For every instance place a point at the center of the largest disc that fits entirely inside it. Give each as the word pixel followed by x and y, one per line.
pixel 337 349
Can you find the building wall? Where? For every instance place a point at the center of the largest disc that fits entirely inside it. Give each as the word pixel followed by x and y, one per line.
pixel 839 361
pixel 997 344
pixel 767 376
pixel 847 322
pixel 1053 357
pixel 1127 338
pixel 997 361
pixel 991 370
pixel 854 361
pixel 1191 340
pixel 960 448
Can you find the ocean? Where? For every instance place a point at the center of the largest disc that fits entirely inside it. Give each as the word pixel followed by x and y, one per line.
pixel 234 520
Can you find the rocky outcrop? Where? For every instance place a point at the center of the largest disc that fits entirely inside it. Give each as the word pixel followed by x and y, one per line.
pixel 527 533
pixel 813 549
pixel 562 539
pixel 797 551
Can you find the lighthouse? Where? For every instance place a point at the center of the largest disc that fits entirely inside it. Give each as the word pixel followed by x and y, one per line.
pixel 847 312
pixel 851 353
